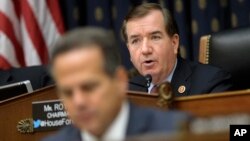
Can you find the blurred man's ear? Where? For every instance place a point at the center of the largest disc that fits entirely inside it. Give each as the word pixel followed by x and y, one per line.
pixel 122 79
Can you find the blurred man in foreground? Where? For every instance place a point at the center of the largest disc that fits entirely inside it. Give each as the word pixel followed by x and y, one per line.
pixel 92 85
pixel 152 38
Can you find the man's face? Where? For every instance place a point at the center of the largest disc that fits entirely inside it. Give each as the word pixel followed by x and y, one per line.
pixel 91 97
pixel 151 49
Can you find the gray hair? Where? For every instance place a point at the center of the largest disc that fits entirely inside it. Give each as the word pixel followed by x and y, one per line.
pixel 143 10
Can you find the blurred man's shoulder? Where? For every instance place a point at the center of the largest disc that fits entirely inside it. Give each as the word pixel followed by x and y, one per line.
pixel 65 134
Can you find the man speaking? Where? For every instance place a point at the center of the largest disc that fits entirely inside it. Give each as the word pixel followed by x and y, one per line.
pixel 152 39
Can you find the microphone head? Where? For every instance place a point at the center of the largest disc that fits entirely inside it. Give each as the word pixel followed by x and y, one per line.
pixel 148 77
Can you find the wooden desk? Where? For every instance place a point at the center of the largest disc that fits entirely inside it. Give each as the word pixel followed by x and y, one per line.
pixel 20 107
pixel 202 105
pixel 215 104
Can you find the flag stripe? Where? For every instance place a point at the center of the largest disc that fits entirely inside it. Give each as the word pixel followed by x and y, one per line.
pixel 49 32
pixel 28 31
pixel 53 7
pixel 16 4
pixel 7 28
pixel 31 54
pixel 4 63
pixel 34 31
pixel 7 50
pixel 8 10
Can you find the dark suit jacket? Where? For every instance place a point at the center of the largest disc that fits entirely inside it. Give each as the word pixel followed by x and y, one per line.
pixel 141 121
pixel 38 76
pixel 197 79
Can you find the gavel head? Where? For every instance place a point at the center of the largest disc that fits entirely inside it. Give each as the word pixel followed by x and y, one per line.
pixel 165 94
pixel 165 90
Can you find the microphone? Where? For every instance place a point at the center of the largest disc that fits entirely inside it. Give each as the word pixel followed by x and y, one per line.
pixel 148 77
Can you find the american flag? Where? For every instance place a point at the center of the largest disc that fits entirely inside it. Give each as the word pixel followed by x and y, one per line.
pixel 28 30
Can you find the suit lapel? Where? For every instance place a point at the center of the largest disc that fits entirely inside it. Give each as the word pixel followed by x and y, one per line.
pixel 180 83
pixel 137 124
pixel 74 134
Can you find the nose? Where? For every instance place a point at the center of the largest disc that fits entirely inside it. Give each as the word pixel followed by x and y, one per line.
pixel 79 98
pixel 146 47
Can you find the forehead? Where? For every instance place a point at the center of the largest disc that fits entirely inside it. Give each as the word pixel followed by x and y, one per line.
pixel 80 59
pixel 153 21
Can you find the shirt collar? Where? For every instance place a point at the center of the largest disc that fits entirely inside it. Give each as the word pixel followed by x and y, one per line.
pixel 168 79
pixel 117 129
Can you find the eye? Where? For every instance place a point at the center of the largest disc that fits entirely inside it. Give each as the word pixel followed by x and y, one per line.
pixel 65 93
pixel 156 37
pixel 134 41
pixel 91 86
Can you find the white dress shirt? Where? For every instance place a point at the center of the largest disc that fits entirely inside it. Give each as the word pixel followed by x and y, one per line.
pixel 117 129
pixel 168 79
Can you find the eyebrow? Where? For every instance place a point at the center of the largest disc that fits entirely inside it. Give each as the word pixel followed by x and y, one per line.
pixel 156 32
pixel 151 33
pixel 133 36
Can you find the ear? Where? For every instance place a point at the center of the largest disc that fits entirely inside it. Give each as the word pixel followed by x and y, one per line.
pixel 122 79
pixel 175 42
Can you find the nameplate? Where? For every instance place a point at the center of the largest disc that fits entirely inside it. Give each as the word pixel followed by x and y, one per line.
pixel 49 115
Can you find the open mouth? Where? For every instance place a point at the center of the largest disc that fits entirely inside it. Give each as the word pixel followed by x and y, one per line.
pixel 148 63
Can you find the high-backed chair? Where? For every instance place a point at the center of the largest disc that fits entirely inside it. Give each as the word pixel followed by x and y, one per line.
pixel 229 50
